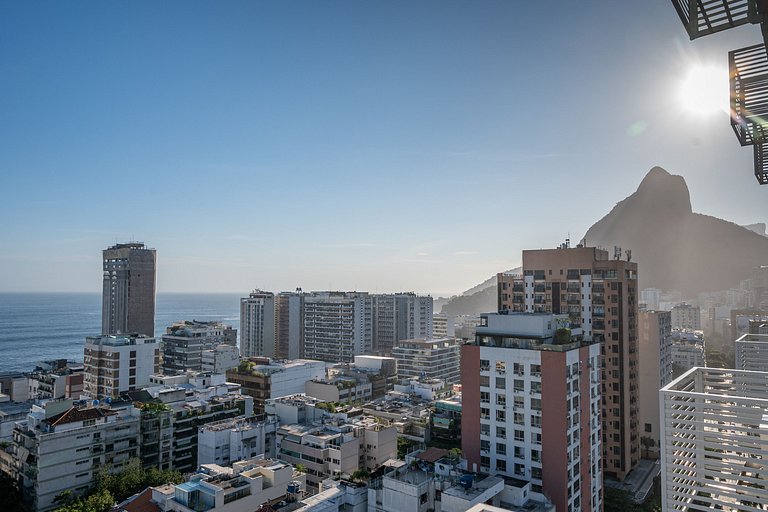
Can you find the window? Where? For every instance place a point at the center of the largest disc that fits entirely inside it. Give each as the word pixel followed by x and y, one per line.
pixel 519 368
pixel 648 427
pixel 485 429
pixel 536 421
pixel 501 465
pixel 485 413
pixel 519 386
pixel 501 448
pixel 484 381
pixel 485 365
pixel 501 432
pixel 501 399
pixel 536 404
pixel 501 415
pixel 485 445
pixel 501 383
pixel 485 397
pixel 520 435
pixel 519 452
pixel 535 387
pixel 501 366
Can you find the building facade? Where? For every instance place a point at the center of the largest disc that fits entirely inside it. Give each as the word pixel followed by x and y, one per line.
pixel 714 444
pixel 428 359
pixel 128 291
pixel 114 364
pixel 400 316
pixel 686 316
pixel 337 325
pixel 655 328
pixel 184 342
pixel 751 351
pixel 599 294
pixel 531 406
pixel 257 324
pixel 289 325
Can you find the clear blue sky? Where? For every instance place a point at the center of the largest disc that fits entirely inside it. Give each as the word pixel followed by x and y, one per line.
pixel 350 145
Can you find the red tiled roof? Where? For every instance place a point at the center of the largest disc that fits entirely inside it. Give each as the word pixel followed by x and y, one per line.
pixel 142 502
pixel 74 415
pixel 432 454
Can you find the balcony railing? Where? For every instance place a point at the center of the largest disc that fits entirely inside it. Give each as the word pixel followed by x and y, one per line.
pixel 748 69
pixel 761 163
pixel 704 17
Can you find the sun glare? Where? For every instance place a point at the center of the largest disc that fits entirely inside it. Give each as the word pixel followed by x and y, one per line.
pixel 705 90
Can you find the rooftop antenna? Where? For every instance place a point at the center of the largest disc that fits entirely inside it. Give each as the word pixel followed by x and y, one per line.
pixel 616 252
pixel 628 252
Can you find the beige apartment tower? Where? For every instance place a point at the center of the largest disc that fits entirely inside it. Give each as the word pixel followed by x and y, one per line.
pixel 128 291
pixel 598 291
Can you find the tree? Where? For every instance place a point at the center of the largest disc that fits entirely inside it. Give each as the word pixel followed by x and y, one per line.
pixel 361 475
pixel 648 443
pixel 562 336
pixel 300 468
pixel 101 501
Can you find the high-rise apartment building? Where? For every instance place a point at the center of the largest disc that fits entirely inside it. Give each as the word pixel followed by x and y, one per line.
pixel 115 364
pixel 289 326
pixel 128 292
pixel 599 294
pixel 714 442
pixel 337 325
pixel 428 359
pixel 184 343
pixel 655 345
pixel 400 316
pixel 686 316
pixel 531 406
pixel 257 324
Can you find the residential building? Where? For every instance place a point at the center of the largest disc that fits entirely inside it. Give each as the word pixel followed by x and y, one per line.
pixel 442 326
pixel 227 441
pixel 171 415
pixel 686 316
pixel 61 446
pixel 336 448
pixel 340 389
pixel 257 324
pixel 244 487
pixel 337 325
pixel 384 366
pixel 400 316
pixel 117 363
pixel 289 325
pixel 599 294
pixel 61 382
pixel 264 378
pixel 531 406
pixel 298 409
pixel 714 442
pixel 431 480
pixel 184 342
pixel 687 350
pixel 424 388
pixel 654 333
pixel 10 414
pixel 445 422
pixel 751 351
pixel 128 291
pixel 464 326
pixel 15 385
pixel 430 359
pixel 219 359
pixel 741 318
pixel 651 297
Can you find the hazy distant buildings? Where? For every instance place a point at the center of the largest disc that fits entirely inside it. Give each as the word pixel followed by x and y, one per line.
pixel 654 332
pixel 442 326
pixel 184 343
pixel 128 292
pixel 686 316
pixel 114 364
pixel 599 294
pixel 687 349
pixel 400 316
pixel 651 297
pixel 428 359
pixel 289 328
pixel 337 325
pixel 257 324
pixel 714 442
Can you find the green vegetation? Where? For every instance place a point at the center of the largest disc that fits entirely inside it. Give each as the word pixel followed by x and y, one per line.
pixel 562 336
pixel 155 407
pixel 403 447
pixel 300 468
pixel 10 497
pixel 113 488
pixel 361 475
pixel 619 501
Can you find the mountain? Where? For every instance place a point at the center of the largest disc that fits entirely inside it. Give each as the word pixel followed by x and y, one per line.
pixel 674 247
pixel 478 299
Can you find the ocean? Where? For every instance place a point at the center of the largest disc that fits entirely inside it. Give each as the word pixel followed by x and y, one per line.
pixel 42 326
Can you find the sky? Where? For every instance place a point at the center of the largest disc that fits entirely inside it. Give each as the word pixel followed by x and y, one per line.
pixel 378 146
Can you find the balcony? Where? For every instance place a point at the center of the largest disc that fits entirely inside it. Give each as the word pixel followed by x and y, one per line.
pixel 761 163
pixel 748 69
pixel 705 17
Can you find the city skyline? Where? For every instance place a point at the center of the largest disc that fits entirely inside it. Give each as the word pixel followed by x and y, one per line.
pixel 342 146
